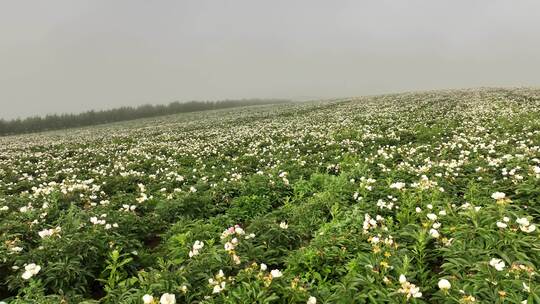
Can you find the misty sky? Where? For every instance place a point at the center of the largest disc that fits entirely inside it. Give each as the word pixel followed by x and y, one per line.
pixel 71 55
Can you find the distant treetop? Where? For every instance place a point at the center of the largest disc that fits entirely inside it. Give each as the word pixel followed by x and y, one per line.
pixel 89 118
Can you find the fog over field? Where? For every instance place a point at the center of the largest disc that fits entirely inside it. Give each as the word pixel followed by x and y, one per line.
pixel 72 56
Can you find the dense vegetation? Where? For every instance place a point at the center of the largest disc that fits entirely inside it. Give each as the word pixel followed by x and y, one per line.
pixel 421 198
pixel 90 118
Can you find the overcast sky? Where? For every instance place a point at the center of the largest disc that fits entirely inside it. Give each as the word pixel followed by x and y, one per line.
pixel 71 55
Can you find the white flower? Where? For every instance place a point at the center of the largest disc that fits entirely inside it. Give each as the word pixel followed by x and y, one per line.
pixel 283 225
pixel 444 284
pixel 26 275
pixel 229 246
pixel 409 289
pixel 276 273
pixel 398 185
pixel 30 271
pixel 16 249
pixel 217 289
pixel 523 221
pixel 94 220
pixel 526 287
pixel 312 300
pixel 220 274
pixel 49 232
pixel 198 245
pixel 239 230
pixel 501 225
pixel 431 216
pixel 498 195
pixel 434 233
pixel 497 264
pixel 415 291
pixel 528 229
pixel 167 298
pixel 402 279
pixel 436 225
pixel 148 299
pixel 506 219
pixel 525 225
pixel 236 259
pixel 263 267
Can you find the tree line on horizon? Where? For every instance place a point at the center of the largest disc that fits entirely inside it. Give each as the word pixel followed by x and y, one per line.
pixel 89 118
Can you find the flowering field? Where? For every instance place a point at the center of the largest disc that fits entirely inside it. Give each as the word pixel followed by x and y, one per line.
pixel 419 197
